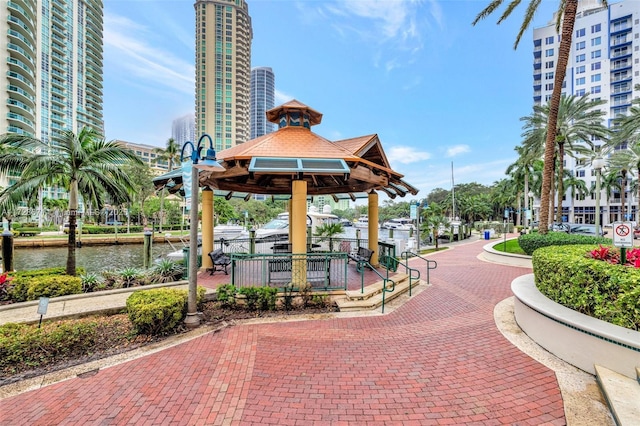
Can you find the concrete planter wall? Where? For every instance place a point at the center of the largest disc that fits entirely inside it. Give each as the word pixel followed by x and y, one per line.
pixel 576 338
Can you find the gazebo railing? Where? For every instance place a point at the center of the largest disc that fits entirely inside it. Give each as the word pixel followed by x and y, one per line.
pixel 315 244
pixel 324 271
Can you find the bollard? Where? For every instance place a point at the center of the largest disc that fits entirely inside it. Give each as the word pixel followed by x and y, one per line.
pixel 7 251
pixel 252 241
pixel 148 243
pixel 391 233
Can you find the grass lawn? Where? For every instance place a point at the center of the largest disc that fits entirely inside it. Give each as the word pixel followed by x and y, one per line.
pixel 511 246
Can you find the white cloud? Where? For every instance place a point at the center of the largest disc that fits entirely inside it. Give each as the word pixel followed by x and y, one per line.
pixel 282 97
pixel 406 155
pixel 141 60
pixel 457 149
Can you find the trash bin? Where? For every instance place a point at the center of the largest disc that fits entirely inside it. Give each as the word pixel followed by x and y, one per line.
pixel 487 235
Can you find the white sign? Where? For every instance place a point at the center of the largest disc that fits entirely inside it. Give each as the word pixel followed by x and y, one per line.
pixel 623 234
pixel 43 303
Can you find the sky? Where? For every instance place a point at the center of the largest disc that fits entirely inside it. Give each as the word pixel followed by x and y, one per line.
pixel 440 93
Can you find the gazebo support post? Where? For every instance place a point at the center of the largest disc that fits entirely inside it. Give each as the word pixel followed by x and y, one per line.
pixel 207 227
pixel 298 223
pixel 373 226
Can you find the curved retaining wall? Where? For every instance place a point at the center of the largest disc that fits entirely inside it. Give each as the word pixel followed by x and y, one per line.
pixel 578 339
pixel 491 255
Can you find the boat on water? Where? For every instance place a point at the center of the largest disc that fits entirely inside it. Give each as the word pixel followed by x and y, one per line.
pixel 399 224
pixel 229 231
pixel 362 222
pixel 278 228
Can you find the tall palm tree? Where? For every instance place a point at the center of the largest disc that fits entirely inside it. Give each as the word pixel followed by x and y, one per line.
pixel 579 119
pixel 576 186
pixel 84 164
pixel 170 154
pixel 565 19
pixel 625 162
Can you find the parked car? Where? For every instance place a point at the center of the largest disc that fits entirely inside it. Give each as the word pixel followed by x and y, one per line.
pixel 586 229
pixel 113 223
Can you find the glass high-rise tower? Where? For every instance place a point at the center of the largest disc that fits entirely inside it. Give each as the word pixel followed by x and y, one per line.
pixel 262 100
pixel 223 71
pixel 52 68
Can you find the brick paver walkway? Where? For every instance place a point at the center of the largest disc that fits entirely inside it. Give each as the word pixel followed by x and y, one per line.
pixel 438 359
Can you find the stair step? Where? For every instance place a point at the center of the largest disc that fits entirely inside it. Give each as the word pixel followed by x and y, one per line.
pixel 373 289
pixel 375 301
pixel 622 394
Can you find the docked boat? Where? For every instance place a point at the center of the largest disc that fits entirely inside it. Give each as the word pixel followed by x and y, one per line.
pixel 400 224
pixel 362 222
pixel 229 231
pixel 278 228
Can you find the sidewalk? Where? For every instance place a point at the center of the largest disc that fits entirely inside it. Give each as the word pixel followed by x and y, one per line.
pixel 438 359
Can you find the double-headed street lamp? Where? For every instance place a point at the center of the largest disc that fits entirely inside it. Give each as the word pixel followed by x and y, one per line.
pixel 208 163
pixel 598 163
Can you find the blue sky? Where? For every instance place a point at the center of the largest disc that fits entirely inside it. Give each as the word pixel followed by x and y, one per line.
pixel 434 88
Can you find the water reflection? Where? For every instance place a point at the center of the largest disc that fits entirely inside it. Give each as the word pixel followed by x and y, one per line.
pixel 92 258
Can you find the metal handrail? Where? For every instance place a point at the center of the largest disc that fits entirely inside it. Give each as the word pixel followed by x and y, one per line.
pixel 361 265
pixel 409 271
pixel 430 262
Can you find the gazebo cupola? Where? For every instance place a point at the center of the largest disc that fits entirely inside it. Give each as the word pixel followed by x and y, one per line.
pixel 294 114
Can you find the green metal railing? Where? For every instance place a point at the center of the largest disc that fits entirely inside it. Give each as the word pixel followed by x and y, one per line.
pixel 361 266
pixel 324 271
pixel 409 271
pixel 431 264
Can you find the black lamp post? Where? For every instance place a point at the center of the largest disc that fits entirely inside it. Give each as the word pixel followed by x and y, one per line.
pixel 208 163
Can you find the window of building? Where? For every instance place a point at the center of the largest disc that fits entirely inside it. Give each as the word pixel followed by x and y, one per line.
pixel 548 64
pixel 548 76
pixel 548 52
pixel 579 173
pixel 595 78
pixel 595 66
pixel 595 41
pixel 581 45
pixel 580 81
pixel 595 89
pixel 580 58
pixel 580 33
pixel 580 69
pixel 548 40
pixel 596 54
pixel 595 28
pixel 548 86
pixel 580 92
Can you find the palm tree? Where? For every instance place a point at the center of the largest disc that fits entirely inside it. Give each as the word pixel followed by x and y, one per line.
pixel 625 161
pixel 579 119
pixel 565 18
pixel 171 154
pixel 576 186
pixel 84 164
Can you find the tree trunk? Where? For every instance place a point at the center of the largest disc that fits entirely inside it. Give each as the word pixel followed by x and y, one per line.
pixel 560 180
pixel 568 22
pixel 71 242
pixel 623 197
pixel 552 194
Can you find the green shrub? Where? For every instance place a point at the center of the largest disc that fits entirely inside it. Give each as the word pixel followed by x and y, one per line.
pixel 159 311
pixel 90 282
pixel 251 294
pixel 166 271
pixel 32 288
pixel 593 287
pixel 46 271
pixel 530 242
pixel 97 229
pixel 267 297
pixel 226 295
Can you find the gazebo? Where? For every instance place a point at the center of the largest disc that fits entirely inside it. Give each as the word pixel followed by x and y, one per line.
pixel 296 162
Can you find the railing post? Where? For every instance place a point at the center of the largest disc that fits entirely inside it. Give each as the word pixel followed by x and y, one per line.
pixel 252 241
pixel 7 251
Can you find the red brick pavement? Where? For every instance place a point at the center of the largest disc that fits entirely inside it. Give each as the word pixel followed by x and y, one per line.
pixel 439 359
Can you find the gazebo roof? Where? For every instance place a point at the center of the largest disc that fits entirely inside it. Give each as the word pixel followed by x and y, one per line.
pixel 293 152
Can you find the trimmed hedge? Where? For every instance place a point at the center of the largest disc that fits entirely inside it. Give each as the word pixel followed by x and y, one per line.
pixel 531 242
pixel 32 288
pixel 593 287
pixel 159 311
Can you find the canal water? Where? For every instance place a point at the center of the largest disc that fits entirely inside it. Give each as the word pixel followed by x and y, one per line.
pixel 118 257
pixel 92 258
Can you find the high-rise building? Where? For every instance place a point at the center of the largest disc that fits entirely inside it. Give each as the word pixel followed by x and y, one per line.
pixel 223 71
pixel 183 129
pixel 603 64
pixel 262 100
pixel 52 69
